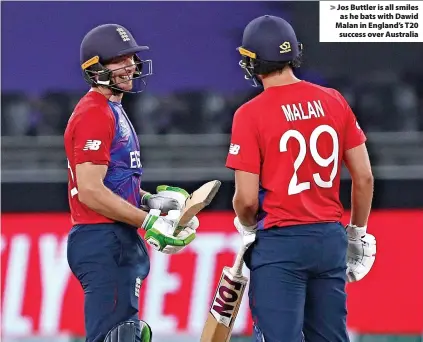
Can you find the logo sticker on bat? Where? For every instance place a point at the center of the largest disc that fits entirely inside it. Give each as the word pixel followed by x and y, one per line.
pixel 227 299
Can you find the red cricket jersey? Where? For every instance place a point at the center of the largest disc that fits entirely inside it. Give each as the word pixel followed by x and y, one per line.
pixel 294 137
pixel 100 132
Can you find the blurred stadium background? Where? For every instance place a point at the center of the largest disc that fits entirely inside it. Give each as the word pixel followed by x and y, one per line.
pixel 184 120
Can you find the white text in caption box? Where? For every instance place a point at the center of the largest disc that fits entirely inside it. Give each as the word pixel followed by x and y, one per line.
pixel 371 21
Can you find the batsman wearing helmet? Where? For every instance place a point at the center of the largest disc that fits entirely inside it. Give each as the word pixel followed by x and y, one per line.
pixel 287 148
pixel 107 205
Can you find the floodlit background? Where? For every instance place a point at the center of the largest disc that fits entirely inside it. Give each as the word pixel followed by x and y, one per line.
pixel 183 120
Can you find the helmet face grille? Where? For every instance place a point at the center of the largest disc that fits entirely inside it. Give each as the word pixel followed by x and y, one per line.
pixel 98 75
pixel 248 65
pixel 253 65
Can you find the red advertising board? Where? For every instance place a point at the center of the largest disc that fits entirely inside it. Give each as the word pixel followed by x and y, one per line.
pixel 41 296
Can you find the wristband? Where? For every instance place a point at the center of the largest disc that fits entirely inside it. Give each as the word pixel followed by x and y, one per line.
pixel 153 213
pixel 145 198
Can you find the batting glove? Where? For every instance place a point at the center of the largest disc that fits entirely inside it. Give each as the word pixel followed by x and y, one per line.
pixel 160 230
pixel 167 198
pixel 361 252
pixel 248 233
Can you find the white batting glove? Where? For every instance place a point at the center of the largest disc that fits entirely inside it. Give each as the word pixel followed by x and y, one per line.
pixel 167 198
pixel 248 233
pixel 188 233
pixel 361 252
pixel 160 230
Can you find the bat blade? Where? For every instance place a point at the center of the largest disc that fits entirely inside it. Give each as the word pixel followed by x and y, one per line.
pixel 224 308
pixel 197 201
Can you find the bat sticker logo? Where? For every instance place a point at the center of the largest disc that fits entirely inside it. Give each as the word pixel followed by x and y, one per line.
pixel 226 300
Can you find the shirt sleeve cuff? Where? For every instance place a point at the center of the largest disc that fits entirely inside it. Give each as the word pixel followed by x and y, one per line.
pixel 354 144
pixel 244 167
pixel 94 161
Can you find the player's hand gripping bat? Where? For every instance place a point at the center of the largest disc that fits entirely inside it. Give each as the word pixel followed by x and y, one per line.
pixel 227 300
pixel 196 202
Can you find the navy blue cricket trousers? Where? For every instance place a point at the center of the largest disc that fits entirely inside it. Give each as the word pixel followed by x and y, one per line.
pixel 297 283
pixel 110 261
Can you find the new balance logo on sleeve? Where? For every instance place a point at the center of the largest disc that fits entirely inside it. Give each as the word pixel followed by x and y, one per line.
pixel 234 149
pixel 92 145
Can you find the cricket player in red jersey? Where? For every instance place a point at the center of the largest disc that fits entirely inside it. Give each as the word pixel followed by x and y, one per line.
pixel 287 148
pixel 107 204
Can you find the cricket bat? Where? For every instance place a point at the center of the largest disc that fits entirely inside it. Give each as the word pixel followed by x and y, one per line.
pixel 226 302
pixel 196 202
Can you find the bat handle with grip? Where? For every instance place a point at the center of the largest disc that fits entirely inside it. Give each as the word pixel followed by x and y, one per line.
pixel 178 229
pixel 236 269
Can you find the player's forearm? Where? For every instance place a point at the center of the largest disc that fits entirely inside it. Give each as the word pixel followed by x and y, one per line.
pixel 106 203
pixel 246 211
pixel 361 201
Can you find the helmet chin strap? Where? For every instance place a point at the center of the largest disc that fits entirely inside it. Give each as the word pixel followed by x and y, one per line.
pixel 116 90
pixel 104 80
pixel 113 88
